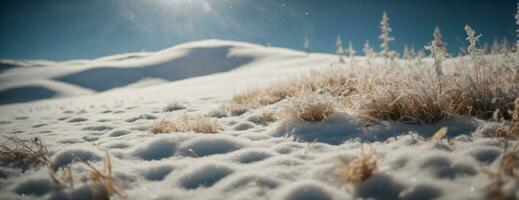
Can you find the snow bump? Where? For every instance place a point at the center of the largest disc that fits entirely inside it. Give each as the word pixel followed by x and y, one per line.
pixel 67 156
pixel 204 176
pixel 157 149
pixel 211 145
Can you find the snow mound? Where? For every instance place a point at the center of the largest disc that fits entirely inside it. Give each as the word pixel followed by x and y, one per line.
pixel 306 190
pixel 239 182
pixel 340 127
pixel 204 176
pixel 187 144
pixel 379 186
pixel 206 146
pixel 34 187
pixel 252 155
pixel 157 172
pixel 68 155
pixel 334 130
pixel 158 148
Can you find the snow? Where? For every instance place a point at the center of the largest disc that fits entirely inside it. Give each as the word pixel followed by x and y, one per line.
pixel 247 160
pixel 34 80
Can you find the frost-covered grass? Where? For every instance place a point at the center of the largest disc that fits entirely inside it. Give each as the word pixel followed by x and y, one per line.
pixel 309 107
pixel 184 124
pixel 394 91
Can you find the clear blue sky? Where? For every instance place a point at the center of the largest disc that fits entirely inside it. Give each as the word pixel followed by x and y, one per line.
pixel 71 29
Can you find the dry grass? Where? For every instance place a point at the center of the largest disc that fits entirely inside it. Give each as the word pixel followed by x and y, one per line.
pixel 184 124
pixel 102 184
pixel 22 153
pixel 257 97
pixel 507 171
pixel 229 109
pixel 359 169
pixel 165 126
pixel 478 91
pixel 311 108
pixel 508 129
pixel 266 118
pixel 469 86
pixel 335 83
pixel 34 153
pixel 204 125
pixel 438 136
pixel 15 152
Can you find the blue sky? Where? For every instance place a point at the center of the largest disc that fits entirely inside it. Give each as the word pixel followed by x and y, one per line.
pixel 72 29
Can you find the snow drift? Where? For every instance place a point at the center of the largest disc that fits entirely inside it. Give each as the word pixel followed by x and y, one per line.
pixel 23 81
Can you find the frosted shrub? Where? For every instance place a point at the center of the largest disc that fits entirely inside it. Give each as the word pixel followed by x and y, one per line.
pixel 473 39
pixel 385 36
pixel 438 42
pixel 340 49
pixel 437 49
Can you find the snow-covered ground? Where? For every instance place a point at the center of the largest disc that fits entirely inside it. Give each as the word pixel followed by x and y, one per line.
pixel 113 101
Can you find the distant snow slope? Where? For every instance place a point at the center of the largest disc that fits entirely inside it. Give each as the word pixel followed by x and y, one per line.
pixel 22 81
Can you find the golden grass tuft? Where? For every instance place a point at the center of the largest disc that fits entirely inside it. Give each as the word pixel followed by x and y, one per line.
pixel 359 169
pixel 311 108
pixel 204 125
pixel 184 124
pixel 165 126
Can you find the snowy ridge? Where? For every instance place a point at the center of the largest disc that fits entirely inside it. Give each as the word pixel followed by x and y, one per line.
pixel 23 81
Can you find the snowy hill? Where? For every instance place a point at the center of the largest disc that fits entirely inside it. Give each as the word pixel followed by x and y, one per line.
pixel 22 81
